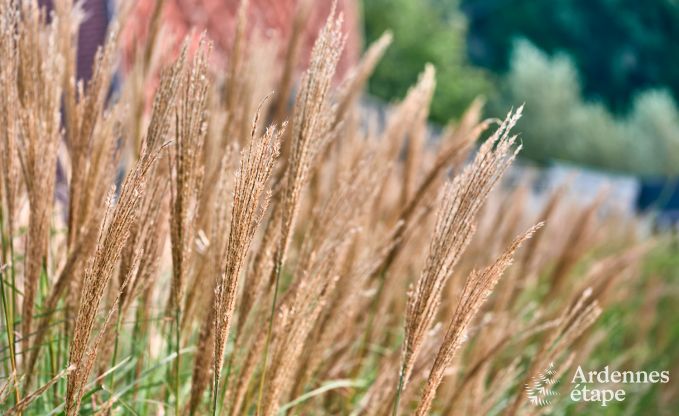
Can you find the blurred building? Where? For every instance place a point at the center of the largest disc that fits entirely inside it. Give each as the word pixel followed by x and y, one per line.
pixel 272 19
pixel 267 18
pixel 92 32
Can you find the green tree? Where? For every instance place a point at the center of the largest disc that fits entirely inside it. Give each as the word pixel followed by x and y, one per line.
pixel 560 124
pixel 424 31
pixel 619 47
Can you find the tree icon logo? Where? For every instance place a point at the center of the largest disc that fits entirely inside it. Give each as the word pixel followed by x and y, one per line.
pixel 539 391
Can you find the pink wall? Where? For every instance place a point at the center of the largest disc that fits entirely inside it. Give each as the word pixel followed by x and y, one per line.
pixel 268 17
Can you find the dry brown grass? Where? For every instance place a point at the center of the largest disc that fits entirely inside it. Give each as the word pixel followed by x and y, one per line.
pixel 326 266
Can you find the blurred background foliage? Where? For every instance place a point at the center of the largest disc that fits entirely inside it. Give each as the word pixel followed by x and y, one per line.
pixel 598 77
pixel 424 31
pixel 561 124
pixel 658 349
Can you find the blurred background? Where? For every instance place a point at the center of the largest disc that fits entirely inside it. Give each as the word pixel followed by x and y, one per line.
pixel 598 77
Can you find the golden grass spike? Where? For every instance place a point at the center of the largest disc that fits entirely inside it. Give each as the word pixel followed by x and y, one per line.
pixel 311 131
pixel 291 59
pixel 476 290
pixel 250 201
pixel 39 84
pixel 112 237
pixel 29 398
pixel 187 171
pixel 354 83
pixel 461 201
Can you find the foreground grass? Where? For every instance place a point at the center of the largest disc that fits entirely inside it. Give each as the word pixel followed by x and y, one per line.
pixel 305 267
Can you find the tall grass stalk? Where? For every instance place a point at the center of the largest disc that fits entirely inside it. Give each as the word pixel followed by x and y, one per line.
pixel 165 216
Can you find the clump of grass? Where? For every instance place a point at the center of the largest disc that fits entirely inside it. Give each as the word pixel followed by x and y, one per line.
pixel 187 173
pixel 250 202
pixel 202 262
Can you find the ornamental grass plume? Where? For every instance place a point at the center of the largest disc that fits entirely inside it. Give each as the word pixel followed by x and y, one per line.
pixel 477 289
pixel 250 201
pixel 352 86
pixel 10 185
pixel 323 254
pixel 461 201
pixel 187 171
pixel 171 252
pixel 112 237
pixel 310 132
pixel 39 88
pixel 185 161
pixel 101 165
pixel 8 114
pixel 302 11
pixel 575 318
pixel 26 401
pixel 311 125
pixel 219 236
